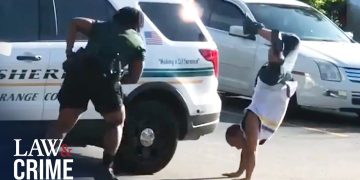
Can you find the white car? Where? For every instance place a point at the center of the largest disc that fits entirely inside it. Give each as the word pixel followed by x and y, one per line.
pixel 175 99
pixel 327 69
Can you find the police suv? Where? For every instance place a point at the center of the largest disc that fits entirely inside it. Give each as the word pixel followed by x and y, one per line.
pixel 175 99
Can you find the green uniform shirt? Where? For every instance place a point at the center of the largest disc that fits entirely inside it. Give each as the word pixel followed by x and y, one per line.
pixel 107 39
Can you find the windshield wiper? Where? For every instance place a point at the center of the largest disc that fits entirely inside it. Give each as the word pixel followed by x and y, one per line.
pixel 314 39
pixel 328 40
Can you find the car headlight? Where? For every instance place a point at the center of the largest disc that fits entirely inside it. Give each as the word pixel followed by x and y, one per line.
pixel 328 71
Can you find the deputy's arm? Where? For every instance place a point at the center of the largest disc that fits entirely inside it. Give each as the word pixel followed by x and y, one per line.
pixel 134 73
pixel 78 24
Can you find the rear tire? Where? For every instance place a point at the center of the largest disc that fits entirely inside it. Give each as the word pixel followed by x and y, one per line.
pixel 293 108
pixel 156 124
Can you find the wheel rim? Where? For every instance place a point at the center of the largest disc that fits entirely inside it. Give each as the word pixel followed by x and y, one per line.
pixel 150 138
pixel 147 137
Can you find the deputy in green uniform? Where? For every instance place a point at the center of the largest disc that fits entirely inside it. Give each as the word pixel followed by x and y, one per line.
pixel 93 74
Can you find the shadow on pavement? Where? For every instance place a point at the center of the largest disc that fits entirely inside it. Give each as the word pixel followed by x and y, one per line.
pixel 86 167
pixel 231 103
pixel 89 168
pixel 204 178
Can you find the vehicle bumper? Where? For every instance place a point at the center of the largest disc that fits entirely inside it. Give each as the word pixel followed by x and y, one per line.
pixel 204 107
pixel 341 96
pixel 200 125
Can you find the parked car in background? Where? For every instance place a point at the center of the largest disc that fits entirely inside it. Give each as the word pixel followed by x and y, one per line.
pixel 328 66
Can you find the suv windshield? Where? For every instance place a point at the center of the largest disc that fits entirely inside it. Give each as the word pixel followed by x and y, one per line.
pixel 305 22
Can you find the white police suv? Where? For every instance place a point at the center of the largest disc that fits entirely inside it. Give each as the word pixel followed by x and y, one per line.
pixel 176 98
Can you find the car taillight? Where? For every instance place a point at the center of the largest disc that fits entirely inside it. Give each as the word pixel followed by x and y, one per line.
pixel 211 55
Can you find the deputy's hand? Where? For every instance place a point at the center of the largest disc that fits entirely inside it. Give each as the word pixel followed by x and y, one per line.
pixel 233 175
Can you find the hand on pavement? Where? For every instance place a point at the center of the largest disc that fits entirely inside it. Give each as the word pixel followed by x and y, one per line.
pixel 232 175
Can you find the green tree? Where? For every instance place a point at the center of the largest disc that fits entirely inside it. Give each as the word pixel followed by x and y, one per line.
pixel 334 9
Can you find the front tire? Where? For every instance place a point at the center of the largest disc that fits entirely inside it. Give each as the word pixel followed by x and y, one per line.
pixel 293 108
pixel 149 139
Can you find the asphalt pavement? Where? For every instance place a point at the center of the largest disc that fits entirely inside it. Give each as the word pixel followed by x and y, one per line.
pixel 309 146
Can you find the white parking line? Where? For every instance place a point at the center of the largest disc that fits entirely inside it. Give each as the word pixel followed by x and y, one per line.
pixel 321 131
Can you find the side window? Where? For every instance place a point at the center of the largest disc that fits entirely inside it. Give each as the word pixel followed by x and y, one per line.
pixel 204 7
pixel 47 20
pixel 175 25
pixel 19 20
pixel 226 14
pixel 66 10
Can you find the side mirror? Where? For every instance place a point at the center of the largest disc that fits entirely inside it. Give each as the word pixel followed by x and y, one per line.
pixel 350 35
pixel 238 31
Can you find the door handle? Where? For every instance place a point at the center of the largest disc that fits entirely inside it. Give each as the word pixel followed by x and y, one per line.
pixel 28 58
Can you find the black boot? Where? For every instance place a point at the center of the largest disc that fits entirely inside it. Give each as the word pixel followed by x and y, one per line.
pixel 107 159
pixel 107 162
pixel 251 27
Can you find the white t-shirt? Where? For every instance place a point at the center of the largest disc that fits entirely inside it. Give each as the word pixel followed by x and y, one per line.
pixel 270 103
